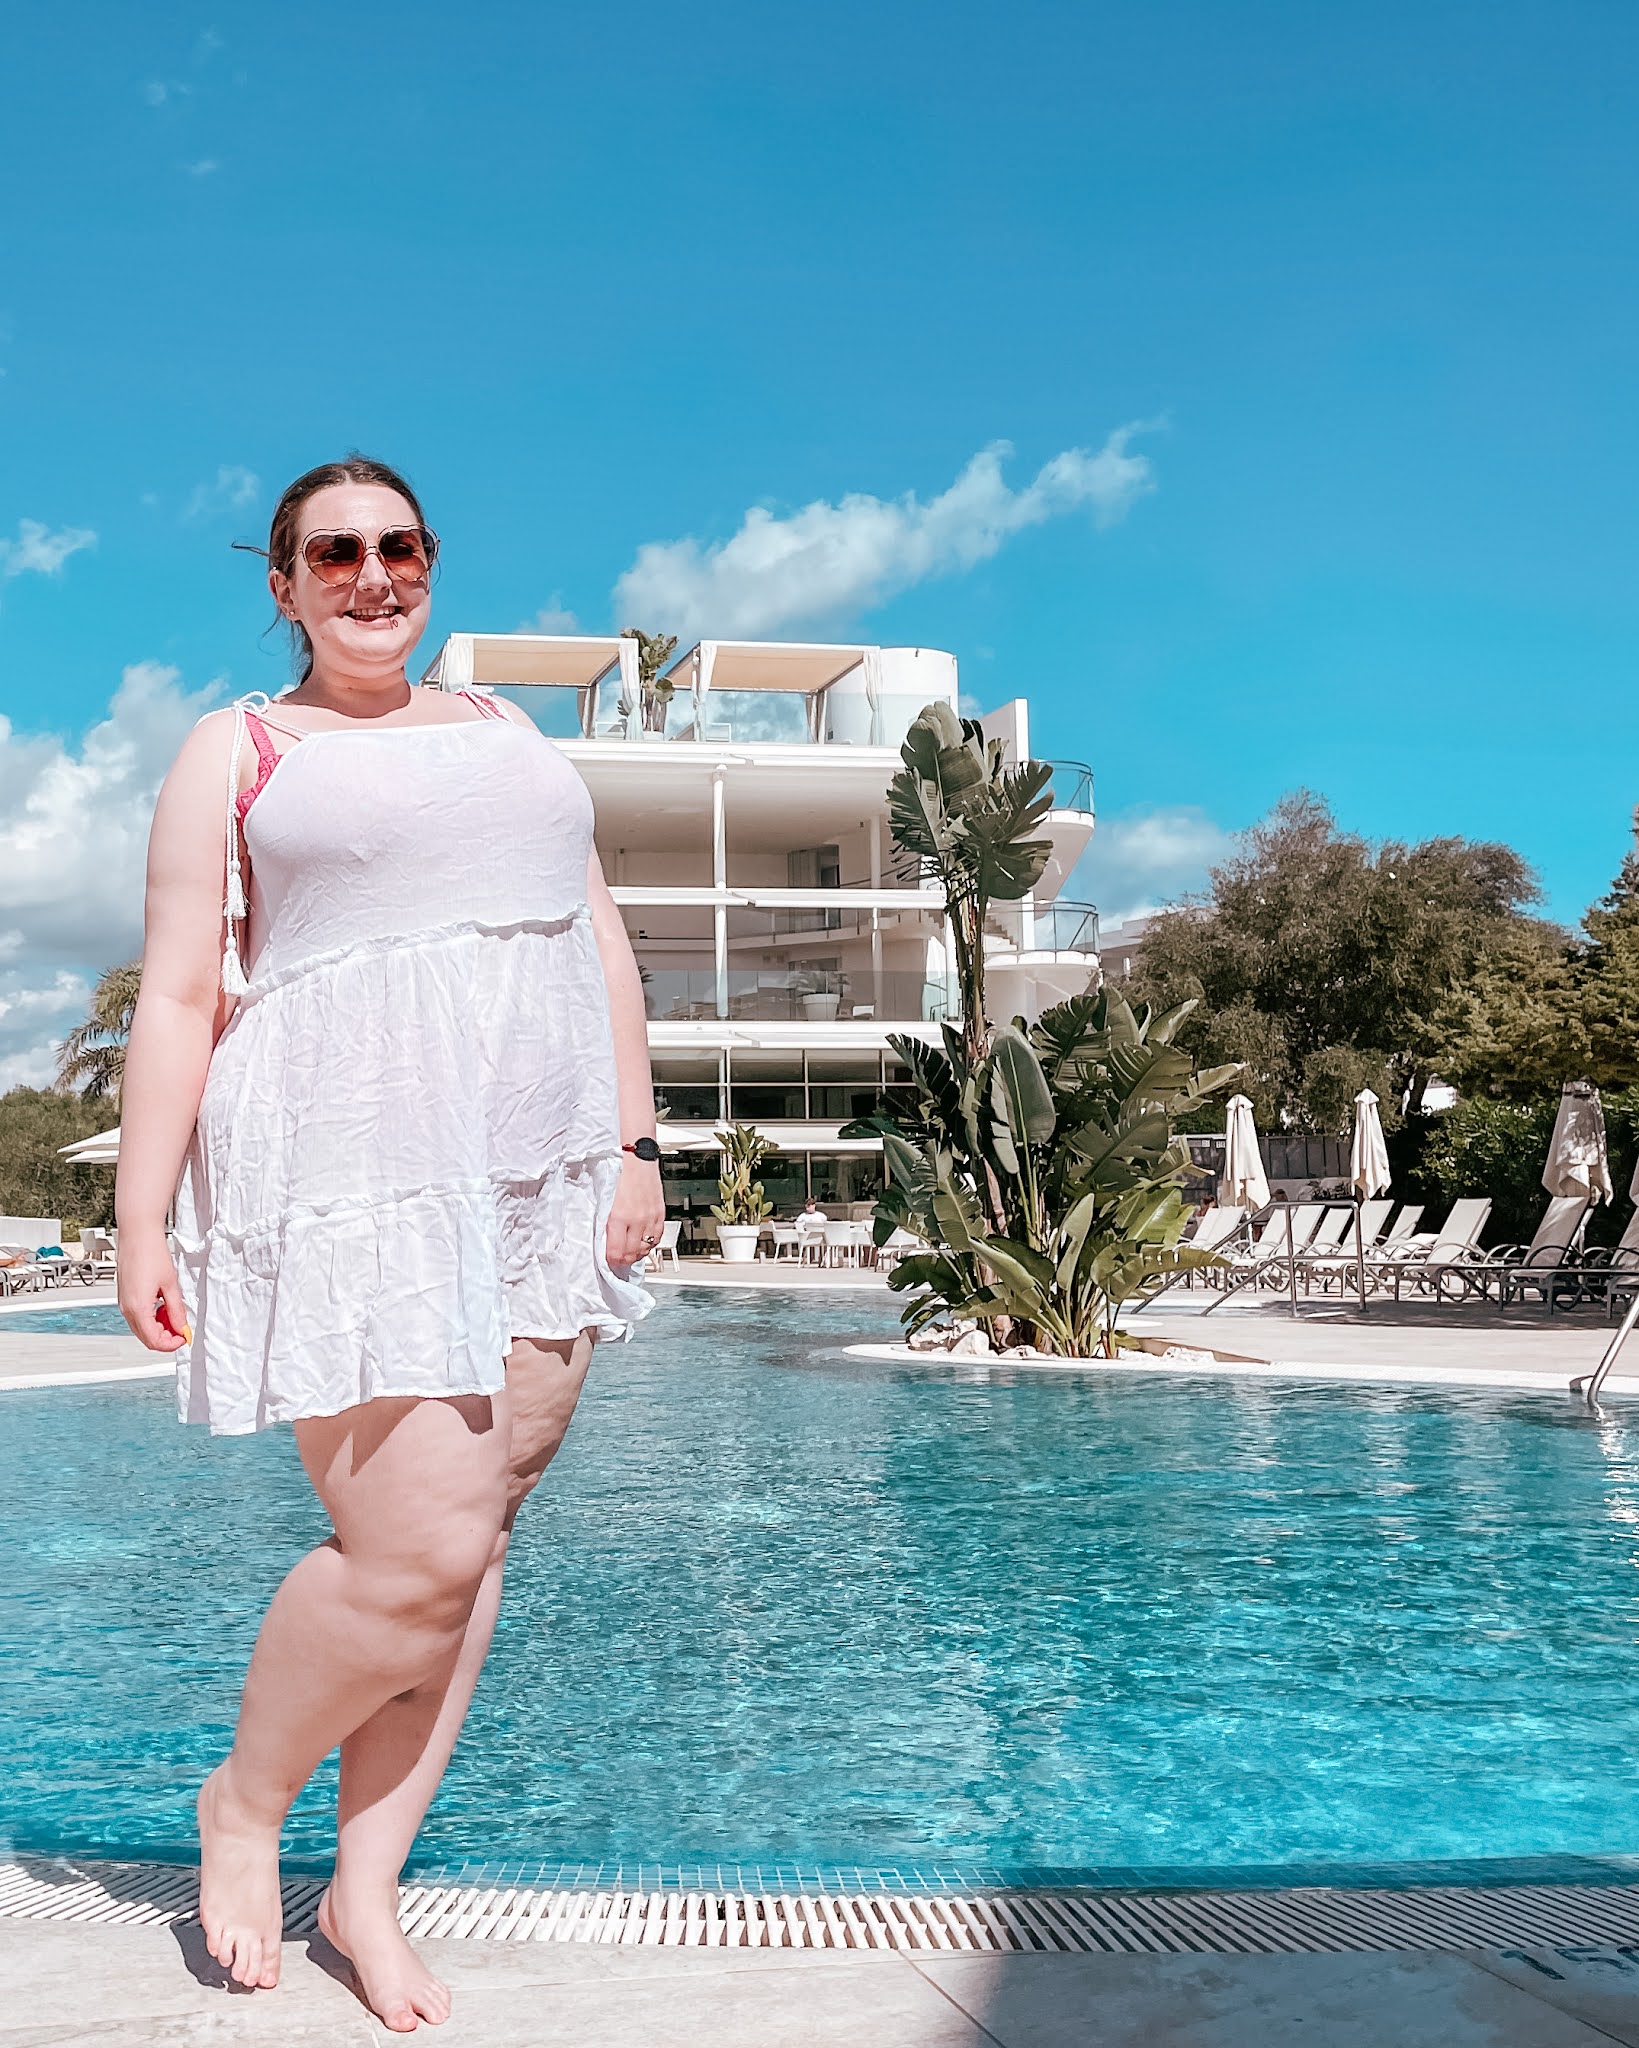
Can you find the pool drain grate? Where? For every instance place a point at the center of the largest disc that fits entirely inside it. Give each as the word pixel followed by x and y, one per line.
pixel 1175 1923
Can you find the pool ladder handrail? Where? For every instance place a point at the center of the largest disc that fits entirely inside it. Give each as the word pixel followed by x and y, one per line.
pixel 1590 1383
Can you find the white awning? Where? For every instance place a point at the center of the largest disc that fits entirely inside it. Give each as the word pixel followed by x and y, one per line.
pixel 570 660
pixel 784 1137
pixel 766 665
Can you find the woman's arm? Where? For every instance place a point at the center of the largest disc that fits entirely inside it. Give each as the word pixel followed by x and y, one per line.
pixel 179 1013
pixel 640 1204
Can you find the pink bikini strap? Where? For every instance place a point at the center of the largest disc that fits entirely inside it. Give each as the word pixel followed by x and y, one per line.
pixel 483 703
pixel 267 758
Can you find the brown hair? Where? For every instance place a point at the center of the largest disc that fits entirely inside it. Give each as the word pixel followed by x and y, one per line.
pixel 353 468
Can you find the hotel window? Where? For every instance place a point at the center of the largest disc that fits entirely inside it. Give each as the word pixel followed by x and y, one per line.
pixel 842 1085
pixel 686 1088
pixel 765 1087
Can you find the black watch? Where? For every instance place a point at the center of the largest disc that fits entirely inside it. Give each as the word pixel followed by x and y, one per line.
pixel 642 1148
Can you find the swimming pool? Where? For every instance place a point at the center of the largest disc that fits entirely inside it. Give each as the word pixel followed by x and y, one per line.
pixel 778 1605
pixel 70 1319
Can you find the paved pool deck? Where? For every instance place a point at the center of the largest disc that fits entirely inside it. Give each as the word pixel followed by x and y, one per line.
pixel 155 1987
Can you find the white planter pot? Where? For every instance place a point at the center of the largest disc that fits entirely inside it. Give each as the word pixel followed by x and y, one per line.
pixel 738 1242
pixel 818 1008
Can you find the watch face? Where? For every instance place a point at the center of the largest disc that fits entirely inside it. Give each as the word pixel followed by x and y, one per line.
pixel 644 1148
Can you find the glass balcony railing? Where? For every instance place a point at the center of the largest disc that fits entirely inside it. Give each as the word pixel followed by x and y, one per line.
pixel 795 996
pixel 1072 786
pixel 1057 927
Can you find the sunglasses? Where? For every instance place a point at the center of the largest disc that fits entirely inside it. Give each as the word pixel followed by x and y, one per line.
pixel 407 553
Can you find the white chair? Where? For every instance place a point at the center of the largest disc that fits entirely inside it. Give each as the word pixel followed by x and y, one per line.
pixel 841 1245
pixel 787 1243
pixel 888 1255
pixel 811 1226
pixel 667 1247
pixel 864 1241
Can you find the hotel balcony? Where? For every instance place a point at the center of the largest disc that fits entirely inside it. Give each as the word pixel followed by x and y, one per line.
pixel 721 693
pixel 775 995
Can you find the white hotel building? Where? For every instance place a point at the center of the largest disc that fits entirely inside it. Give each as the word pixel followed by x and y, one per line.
pixel 780 937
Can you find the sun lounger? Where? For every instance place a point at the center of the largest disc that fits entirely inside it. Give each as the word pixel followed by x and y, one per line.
pixel 1316 1227
pixel 1424 1261
pixel 1606 1273
pixel 1282 1233
pixel 1217 1226
pixel 1338 1261
pixel 1512 1269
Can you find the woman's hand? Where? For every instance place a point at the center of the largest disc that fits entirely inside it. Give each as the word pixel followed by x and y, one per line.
pixel 150 1298
pixel 639 1212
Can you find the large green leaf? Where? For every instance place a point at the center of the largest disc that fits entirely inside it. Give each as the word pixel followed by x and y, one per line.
pixel 1136 1136
pixel 1019 1093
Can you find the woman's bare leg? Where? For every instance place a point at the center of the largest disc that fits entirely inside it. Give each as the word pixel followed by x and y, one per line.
pixel 393 1763
pixel 416 1492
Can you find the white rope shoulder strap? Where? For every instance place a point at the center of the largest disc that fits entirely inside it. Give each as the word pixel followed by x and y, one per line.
pixel 234 907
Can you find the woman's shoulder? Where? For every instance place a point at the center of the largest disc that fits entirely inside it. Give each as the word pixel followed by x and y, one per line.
pixel 213 741
pixel 503 707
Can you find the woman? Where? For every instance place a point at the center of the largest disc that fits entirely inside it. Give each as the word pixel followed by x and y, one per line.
pixel 417 1161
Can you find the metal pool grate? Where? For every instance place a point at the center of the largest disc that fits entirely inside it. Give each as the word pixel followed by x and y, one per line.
pixel 1223 1922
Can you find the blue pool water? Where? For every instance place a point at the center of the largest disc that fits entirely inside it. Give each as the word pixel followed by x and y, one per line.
pixel 82 1319
pixel 777 1604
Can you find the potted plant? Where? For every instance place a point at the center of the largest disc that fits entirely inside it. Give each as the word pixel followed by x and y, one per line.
pixel 655 691
pixel 820 993
pixel 741 1204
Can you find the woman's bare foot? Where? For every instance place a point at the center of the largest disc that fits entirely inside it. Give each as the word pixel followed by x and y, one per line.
pixel 397 1986
pixel 239 1905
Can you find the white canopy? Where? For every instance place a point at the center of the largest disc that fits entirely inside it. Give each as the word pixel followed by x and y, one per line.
pixel 1244 1179
pixel 1368 1154
pixel 1577 1162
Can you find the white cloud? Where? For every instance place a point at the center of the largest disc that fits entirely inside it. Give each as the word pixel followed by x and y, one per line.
pixel 1143 859
pixel 231 489
pixel 830 561
pixel 552 618
pixel 73 838
pixel 203 167
pixel 40 552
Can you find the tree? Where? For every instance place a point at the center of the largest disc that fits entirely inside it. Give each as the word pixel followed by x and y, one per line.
pixel 1317 956
pixel 92 1056
pixel 35 1180
pixel 1610 985
pixel 968 820
pixel 655 693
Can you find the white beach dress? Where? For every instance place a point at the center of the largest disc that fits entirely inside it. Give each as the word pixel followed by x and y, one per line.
pixel 409 1139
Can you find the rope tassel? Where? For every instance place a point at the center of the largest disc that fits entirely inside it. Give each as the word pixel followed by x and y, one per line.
pixel 234 910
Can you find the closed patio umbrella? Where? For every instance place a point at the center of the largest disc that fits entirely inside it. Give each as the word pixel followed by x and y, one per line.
pixel 1368 1154
pixel 1577 1163
pixel 1244 1179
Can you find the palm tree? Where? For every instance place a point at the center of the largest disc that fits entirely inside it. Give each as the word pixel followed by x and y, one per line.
pixel 968 820
pixel 654 650
pixel 92 1056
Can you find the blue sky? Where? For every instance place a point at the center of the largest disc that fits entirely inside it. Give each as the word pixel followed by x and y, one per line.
pixel 1363 281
